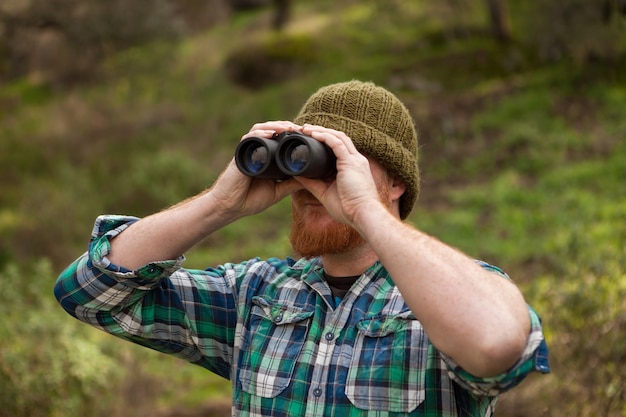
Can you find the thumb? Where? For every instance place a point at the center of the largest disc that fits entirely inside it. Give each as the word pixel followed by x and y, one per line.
pixel 287 187
pixel 316 187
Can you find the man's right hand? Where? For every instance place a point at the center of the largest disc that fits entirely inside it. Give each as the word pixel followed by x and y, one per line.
pixel 240 195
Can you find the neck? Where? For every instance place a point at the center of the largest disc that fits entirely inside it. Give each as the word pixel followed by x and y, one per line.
pixel 353 262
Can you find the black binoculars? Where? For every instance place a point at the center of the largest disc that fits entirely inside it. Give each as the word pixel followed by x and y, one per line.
pixel 285 155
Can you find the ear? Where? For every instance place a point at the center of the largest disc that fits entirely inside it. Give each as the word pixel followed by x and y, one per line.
pixel 398 187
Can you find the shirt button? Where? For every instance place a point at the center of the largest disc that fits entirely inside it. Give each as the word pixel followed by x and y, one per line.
pixel 278 318
pixel 317 392
pixel 329 336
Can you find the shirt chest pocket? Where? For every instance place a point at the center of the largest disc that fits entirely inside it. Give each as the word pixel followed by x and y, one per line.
pixel 387 369
pixel 272 346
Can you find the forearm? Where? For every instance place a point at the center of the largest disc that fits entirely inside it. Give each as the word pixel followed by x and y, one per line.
pixel 476 317
pixel 170 233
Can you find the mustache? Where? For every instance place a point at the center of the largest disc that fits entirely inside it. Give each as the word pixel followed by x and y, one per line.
pixel 303 197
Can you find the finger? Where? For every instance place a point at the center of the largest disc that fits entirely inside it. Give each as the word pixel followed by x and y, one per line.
pixel 330 140
pixel 259 133
pixel 278 125
pixel 271 128
pixel 315 187
pixel 287 187
pixel 340 144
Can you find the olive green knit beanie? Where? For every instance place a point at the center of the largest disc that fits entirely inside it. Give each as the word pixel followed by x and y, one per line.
pixel 377 122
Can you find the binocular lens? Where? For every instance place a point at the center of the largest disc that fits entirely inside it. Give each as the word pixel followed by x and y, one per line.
pixel 297 155
pixel 257 158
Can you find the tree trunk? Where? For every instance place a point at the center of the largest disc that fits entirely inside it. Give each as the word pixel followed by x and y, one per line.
pixel 281 14
pixel 499 19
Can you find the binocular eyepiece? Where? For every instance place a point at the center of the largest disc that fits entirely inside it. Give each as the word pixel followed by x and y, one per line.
pixel 286 155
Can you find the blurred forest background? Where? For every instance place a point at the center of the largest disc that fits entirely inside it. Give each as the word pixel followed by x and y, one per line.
pixel 128 107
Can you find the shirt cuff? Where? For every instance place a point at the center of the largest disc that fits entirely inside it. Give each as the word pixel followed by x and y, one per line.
pixel 147 276
pixel 534 358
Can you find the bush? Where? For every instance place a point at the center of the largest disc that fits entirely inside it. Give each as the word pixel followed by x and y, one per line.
pixel 58 42
pixel 576 29
pixel 50 365
pixel 271 60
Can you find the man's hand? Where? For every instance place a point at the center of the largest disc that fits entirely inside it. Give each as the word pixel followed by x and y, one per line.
pixel 241 195
pixel 354 188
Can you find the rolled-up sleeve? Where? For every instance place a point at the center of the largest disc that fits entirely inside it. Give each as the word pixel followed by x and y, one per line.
pixel 159 305
pixel 534 358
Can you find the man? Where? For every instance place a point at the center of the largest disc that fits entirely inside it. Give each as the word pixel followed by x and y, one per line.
pixel 376 318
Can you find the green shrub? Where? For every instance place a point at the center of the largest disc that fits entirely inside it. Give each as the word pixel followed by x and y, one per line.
pixel 50 365
pixel 576 29
pixel 271 60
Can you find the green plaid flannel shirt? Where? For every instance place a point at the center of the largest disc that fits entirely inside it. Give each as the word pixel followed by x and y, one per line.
pixel 272 328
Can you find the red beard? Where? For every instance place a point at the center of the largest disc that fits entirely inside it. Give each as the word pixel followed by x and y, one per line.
pixel 315 233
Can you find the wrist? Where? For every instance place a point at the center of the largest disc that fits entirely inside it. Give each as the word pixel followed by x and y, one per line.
pixel 373 218
pixel 216 211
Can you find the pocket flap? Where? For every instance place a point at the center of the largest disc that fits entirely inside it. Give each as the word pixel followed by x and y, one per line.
pixel 278 313
pixel 381 325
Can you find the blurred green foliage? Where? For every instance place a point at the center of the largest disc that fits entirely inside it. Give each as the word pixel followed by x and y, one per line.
pixel 49 366
pixel 522 156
